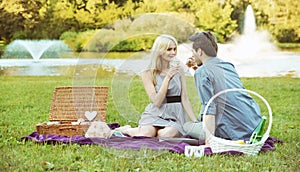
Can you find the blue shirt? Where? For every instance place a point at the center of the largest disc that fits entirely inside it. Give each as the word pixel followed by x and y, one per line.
pixel 236 113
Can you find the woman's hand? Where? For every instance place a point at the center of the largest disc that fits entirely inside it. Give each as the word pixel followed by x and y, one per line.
pixel 173 71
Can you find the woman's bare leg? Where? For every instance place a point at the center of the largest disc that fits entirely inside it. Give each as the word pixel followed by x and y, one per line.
pixel 148 131
pixel 167 132
pixel 121 129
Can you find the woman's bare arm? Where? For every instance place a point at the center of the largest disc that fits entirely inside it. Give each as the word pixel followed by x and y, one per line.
pixel 156 98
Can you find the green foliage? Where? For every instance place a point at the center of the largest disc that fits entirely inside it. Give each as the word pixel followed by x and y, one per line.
pixel 77 41
pixel 287 35
pixel 103 40
pixel 284 23
pixel 279 17
pixel 139 33
pixel 68 35
pixel 11 22
pixel 48 19
pixel 162 23
pixel 135 44
pixel 25 101
pixel 19 35
pixel 212 16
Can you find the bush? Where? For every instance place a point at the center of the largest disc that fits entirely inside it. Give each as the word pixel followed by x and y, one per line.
pixel 19 35
pixel 287 35
pixel 68 35
pixel 139 34
pixel 140 43
pixel 77 41
pixel 103 40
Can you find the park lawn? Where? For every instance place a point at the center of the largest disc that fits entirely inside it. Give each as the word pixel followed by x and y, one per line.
pixel 25 101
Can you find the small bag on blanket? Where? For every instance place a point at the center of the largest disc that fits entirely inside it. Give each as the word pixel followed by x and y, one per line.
pixel 99 129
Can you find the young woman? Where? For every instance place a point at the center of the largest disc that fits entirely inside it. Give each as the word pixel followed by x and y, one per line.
pixel 232 116
pixel 166 88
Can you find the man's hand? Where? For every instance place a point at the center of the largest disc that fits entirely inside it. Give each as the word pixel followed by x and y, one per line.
pixel 191 63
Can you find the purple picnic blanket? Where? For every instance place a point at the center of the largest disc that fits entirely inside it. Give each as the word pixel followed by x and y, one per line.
pixel 135 143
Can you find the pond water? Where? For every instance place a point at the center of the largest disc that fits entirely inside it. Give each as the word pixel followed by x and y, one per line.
pixel 282 63
pixel 88 61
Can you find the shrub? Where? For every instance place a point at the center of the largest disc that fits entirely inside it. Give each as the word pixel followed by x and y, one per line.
pixel 287 35
pixel 77 41
pixel 139 43
pixel 139 33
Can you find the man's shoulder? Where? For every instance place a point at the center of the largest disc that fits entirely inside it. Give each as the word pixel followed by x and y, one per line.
pixel 202 72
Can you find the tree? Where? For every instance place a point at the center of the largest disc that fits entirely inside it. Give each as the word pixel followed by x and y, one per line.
pixel 48 19
pixel 279 17
pixel 284 21
pixel 211 15
pixel 10 27
pixel 20 18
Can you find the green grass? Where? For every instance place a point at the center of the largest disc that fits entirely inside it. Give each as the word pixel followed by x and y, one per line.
pixel 292 47
pixel 25 101
pixel 288 45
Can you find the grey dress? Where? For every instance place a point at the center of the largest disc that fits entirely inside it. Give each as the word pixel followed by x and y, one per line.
pixel 168 114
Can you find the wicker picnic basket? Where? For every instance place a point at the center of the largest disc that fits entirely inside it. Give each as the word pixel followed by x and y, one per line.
pixel 219 145
pixel 71 104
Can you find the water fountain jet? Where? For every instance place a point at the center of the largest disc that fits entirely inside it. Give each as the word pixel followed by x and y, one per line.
pixel 253 53
pixel 36 49
pixel 251 46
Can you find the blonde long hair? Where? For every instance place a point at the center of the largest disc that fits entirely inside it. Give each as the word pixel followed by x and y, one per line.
pixel 160 46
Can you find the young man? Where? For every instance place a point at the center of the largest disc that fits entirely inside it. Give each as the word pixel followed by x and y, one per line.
pixel 231 116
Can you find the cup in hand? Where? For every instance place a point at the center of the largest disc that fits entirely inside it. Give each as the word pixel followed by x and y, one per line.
pixel 174 62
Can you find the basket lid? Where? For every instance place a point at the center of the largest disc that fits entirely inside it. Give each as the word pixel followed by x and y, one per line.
pixel 70 103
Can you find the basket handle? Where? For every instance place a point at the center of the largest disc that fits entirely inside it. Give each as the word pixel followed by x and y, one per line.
pixel 243 90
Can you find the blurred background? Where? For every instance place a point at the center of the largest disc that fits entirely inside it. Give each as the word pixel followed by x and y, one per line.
pixel 76 21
